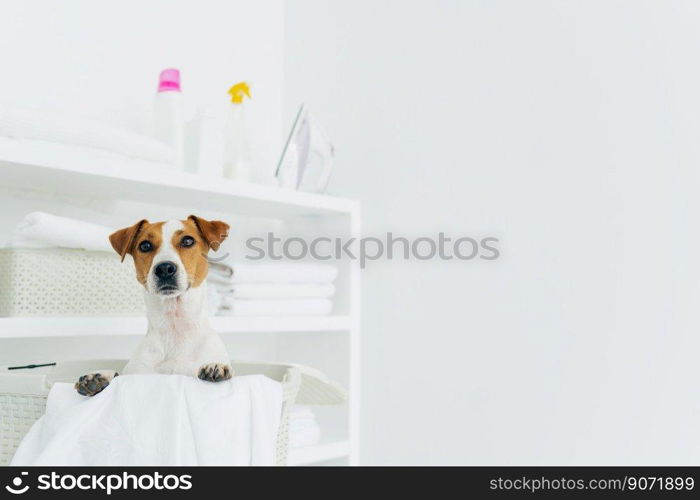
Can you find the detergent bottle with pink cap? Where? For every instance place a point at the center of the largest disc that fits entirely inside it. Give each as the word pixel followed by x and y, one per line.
pixel 168 119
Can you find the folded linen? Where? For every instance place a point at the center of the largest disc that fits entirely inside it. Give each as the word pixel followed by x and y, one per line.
pixel 158 420
pixel 219 282
pixel 213 300
pixel 42 230
pixel 275 272
pixel 272 307
pixel 221 269
pixel 303 427
pixel 22 123
pixel 283 291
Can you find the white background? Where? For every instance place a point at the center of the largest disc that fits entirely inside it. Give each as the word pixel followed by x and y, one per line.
pixel 569 130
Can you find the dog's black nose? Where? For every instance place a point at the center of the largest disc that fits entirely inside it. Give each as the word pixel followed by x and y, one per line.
pixel 166 270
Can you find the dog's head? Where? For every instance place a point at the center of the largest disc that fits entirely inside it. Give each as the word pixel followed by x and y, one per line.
pixel 170 257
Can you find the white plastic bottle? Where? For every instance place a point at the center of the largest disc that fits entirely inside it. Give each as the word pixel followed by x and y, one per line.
pixel 204 144
pixel 168 114
pixel 237 161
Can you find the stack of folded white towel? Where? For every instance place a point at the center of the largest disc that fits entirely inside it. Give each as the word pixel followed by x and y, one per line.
pixel 271 289
pixel 303 427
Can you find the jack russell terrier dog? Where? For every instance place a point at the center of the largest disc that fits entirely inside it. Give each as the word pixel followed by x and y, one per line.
pixel 171 263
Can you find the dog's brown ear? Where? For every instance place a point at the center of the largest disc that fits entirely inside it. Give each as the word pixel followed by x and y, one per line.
pixel 214 232
pixel 123 240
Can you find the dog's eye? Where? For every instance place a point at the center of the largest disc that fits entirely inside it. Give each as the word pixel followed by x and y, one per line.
pixel 145 246
pixel 187 241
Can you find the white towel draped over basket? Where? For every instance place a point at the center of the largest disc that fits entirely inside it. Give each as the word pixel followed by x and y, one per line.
pixel 242 421
pixel 158 420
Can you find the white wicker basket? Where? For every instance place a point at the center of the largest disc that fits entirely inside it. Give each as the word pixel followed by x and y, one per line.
pixel 65 282
pixel 23 395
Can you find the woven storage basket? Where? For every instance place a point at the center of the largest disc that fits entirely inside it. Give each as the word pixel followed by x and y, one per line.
pixel 23 395
pixel 64 282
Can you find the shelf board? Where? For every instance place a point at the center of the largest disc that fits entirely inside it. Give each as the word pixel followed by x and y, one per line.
pixel 104 326
pixel 42 166
pixel 318 453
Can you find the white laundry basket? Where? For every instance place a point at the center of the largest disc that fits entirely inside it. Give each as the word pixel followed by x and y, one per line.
pixel 23 395
pixel 67 282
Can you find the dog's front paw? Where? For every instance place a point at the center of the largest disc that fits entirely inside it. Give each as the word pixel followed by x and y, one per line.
pixel 93 383
pixel 215 372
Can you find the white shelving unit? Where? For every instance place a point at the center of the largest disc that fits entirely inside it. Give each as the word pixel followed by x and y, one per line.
pixel 323 452
pixel 48 167
pixel 36 166
pixel 78 327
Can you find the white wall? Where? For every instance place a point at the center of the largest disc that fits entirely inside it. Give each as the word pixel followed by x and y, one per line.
pixel 569 130
pixel 103 59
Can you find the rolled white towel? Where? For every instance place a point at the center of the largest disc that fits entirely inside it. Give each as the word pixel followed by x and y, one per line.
pixel 64 128
pixel 226 301
pixel 221 270
pixel 281 307
pixel 222 283
pixel 283 291
pixel 42 230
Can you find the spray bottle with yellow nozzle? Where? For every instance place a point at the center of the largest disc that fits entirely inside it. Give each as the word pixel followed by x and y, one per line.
pixel 237 162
